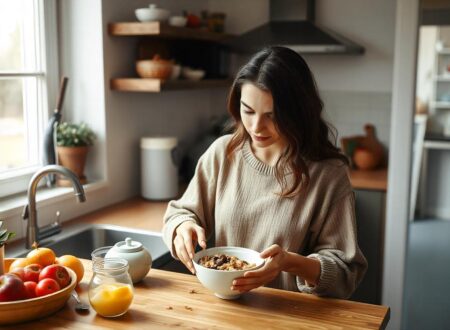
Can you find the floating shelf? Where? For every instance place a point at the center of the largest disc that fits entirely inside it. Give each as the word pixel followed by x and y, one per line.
pixel 158 85
pixel 444 51
pixel 440 105
pixel 164 30
pixel 442 78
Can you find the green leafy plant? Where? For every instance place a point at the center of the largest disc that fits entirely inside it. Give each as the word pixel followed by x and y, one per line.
pixel 74 135
pixel 5 235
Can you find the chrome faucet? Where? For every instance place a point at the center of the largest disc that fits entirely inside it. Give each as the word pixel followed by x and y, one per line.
pixel 29 211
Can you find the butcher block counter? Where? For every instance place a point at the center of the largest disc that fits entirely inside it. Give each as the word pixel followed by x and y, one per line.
pixel 167 300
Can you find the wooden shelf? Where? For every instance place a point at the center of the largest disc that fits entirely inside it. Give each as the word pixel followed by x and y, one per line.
pixel 369 180
pixel 157 85
pixel 164 30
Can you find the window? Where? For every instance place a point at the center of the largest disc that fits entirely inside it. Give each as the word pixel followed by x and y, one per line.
pixel 28 79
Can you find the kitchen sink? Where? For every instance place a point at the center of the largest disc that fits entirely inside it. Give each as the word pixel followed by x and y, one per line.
pixel 82 240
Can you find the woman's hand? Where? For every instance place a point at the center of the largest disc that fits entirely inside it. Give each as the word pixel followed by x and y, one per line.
pixel 276 259
pixel 185 241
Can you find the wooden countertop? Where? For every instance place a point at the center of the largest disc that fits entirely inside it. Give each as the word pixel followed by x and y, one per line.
pixel 166 300
pixel 369 180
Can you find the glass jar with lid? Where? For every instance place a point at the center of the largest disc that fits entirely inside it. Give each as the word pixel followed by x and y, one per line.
pixel 111 290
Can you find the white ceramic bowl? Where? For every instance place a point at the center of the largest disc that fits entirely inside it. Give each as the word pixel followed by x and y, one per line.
pixel 152 14
pixel 192 74
pixel 176 70
pixel 178 21
pixel 220 281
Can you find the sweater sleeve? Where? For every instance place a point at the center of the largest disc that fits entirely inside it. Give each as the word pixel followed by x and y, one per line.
pixel 198 202
pixel 342 263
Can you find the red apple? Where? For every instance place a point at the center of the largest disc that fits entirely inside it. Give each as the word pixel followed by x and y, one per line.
pixel 46 286
pixel 18 271
pixel 30 288
pixel 11 288
pixel 31 273
pixel 58 273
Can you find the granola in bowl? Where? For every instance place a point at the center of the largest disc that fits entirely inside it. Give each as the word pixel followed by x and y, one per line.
pixel 225 262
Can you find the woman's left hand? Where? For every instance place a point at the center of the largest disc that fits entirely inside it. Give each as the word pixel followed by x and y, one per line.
pixel 275 262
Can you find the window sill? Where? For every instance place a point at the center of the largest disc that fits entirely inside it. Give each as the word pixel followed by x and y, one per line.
pixel 13 205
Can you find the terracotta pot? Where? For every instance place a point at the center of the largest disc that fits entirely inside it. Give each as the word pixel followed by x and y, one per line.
pixel 74 158
pixel 365 159
pixel 2 260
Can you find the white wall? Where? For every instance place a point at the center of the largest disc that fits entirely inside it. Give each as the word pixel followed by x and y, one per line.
pixel 369 23
pixel 81 60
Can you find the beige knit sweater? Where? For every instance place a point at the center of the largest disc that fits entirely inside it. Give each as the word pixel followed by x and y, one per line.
pixel 235 200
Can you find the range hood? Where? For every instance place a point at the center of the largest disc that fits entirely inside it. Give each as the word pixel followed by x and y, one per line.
pixel 292 25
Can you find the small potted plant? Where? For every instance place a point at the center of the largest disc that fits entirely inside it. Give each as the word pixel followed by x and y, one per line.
pixel 5 235
pixel 72 145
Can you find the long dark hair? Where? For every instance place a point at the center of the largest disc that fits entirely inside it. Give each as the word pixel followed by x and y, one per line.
pixel 297 112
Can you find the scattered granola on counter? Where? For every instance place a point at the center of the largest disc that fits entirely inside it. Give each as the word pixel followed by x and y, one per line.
pixel 169 307
pixel 224 262
pixel 193 291
pixel 188 308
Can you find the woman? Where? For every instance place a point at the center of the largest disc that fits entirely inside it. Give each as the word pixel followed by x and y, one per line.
pixel 277 185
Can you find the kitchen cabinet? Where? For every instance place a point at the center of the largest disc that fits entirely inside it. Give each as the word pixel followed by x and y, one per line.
pixel 439 109
pixel 190 47
pixel 370 218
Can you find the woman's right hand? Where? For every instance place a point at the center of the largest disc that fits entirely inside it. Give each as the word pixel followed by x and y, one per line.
pixel 185 241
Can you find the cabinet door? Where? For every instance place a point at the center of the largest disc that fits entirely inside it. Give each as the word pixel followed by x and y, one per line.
pixel 370 210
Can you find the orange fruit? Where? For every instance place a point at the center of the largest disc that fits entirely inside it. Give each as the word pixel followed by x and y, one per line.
pixel 18 263
pixel 42 256
pixel 73 263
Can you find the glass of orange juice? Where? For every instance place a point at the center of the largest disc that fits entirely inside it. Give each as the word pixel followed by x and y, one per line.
pixel 111 289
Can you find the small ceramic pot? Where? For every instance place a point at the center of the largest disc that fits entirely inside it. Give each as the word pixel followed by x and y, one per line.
pixel 156 68
pixel 139 259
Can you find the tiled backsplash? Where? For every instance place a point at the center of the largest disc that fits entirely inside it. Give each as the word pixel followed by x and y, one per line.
pixel 349 111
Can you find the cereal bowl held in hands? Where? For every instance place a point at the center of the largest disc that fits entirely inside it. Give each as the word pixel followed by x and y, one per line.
pixel 220 281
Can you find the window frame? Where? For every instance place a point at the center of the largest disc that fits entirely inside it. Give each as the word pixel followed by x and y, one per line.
pixel 45 11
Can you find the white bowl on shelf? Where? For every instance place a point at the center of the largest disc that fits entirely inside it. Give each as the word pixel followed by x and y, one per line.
pixel 192 74
pixel 176 71
pixel 179 21
pixel 152 14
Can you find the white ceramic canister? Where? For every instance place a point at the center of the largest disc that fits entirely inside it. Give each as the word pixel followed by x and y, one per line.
pixel 139 259
pixel 159 173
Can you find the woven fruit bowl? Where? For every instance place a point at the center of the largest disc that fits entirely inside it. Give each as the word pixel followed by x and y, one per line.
pixel 18 311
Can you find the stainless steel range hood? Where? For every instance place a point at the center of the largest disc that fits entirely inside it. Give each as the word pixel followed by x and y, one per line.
pixel 292 25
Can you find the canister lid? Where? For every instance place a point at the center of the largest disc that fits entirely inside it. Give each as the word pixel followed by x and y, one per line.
pixel 159 142
pixel 128 246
